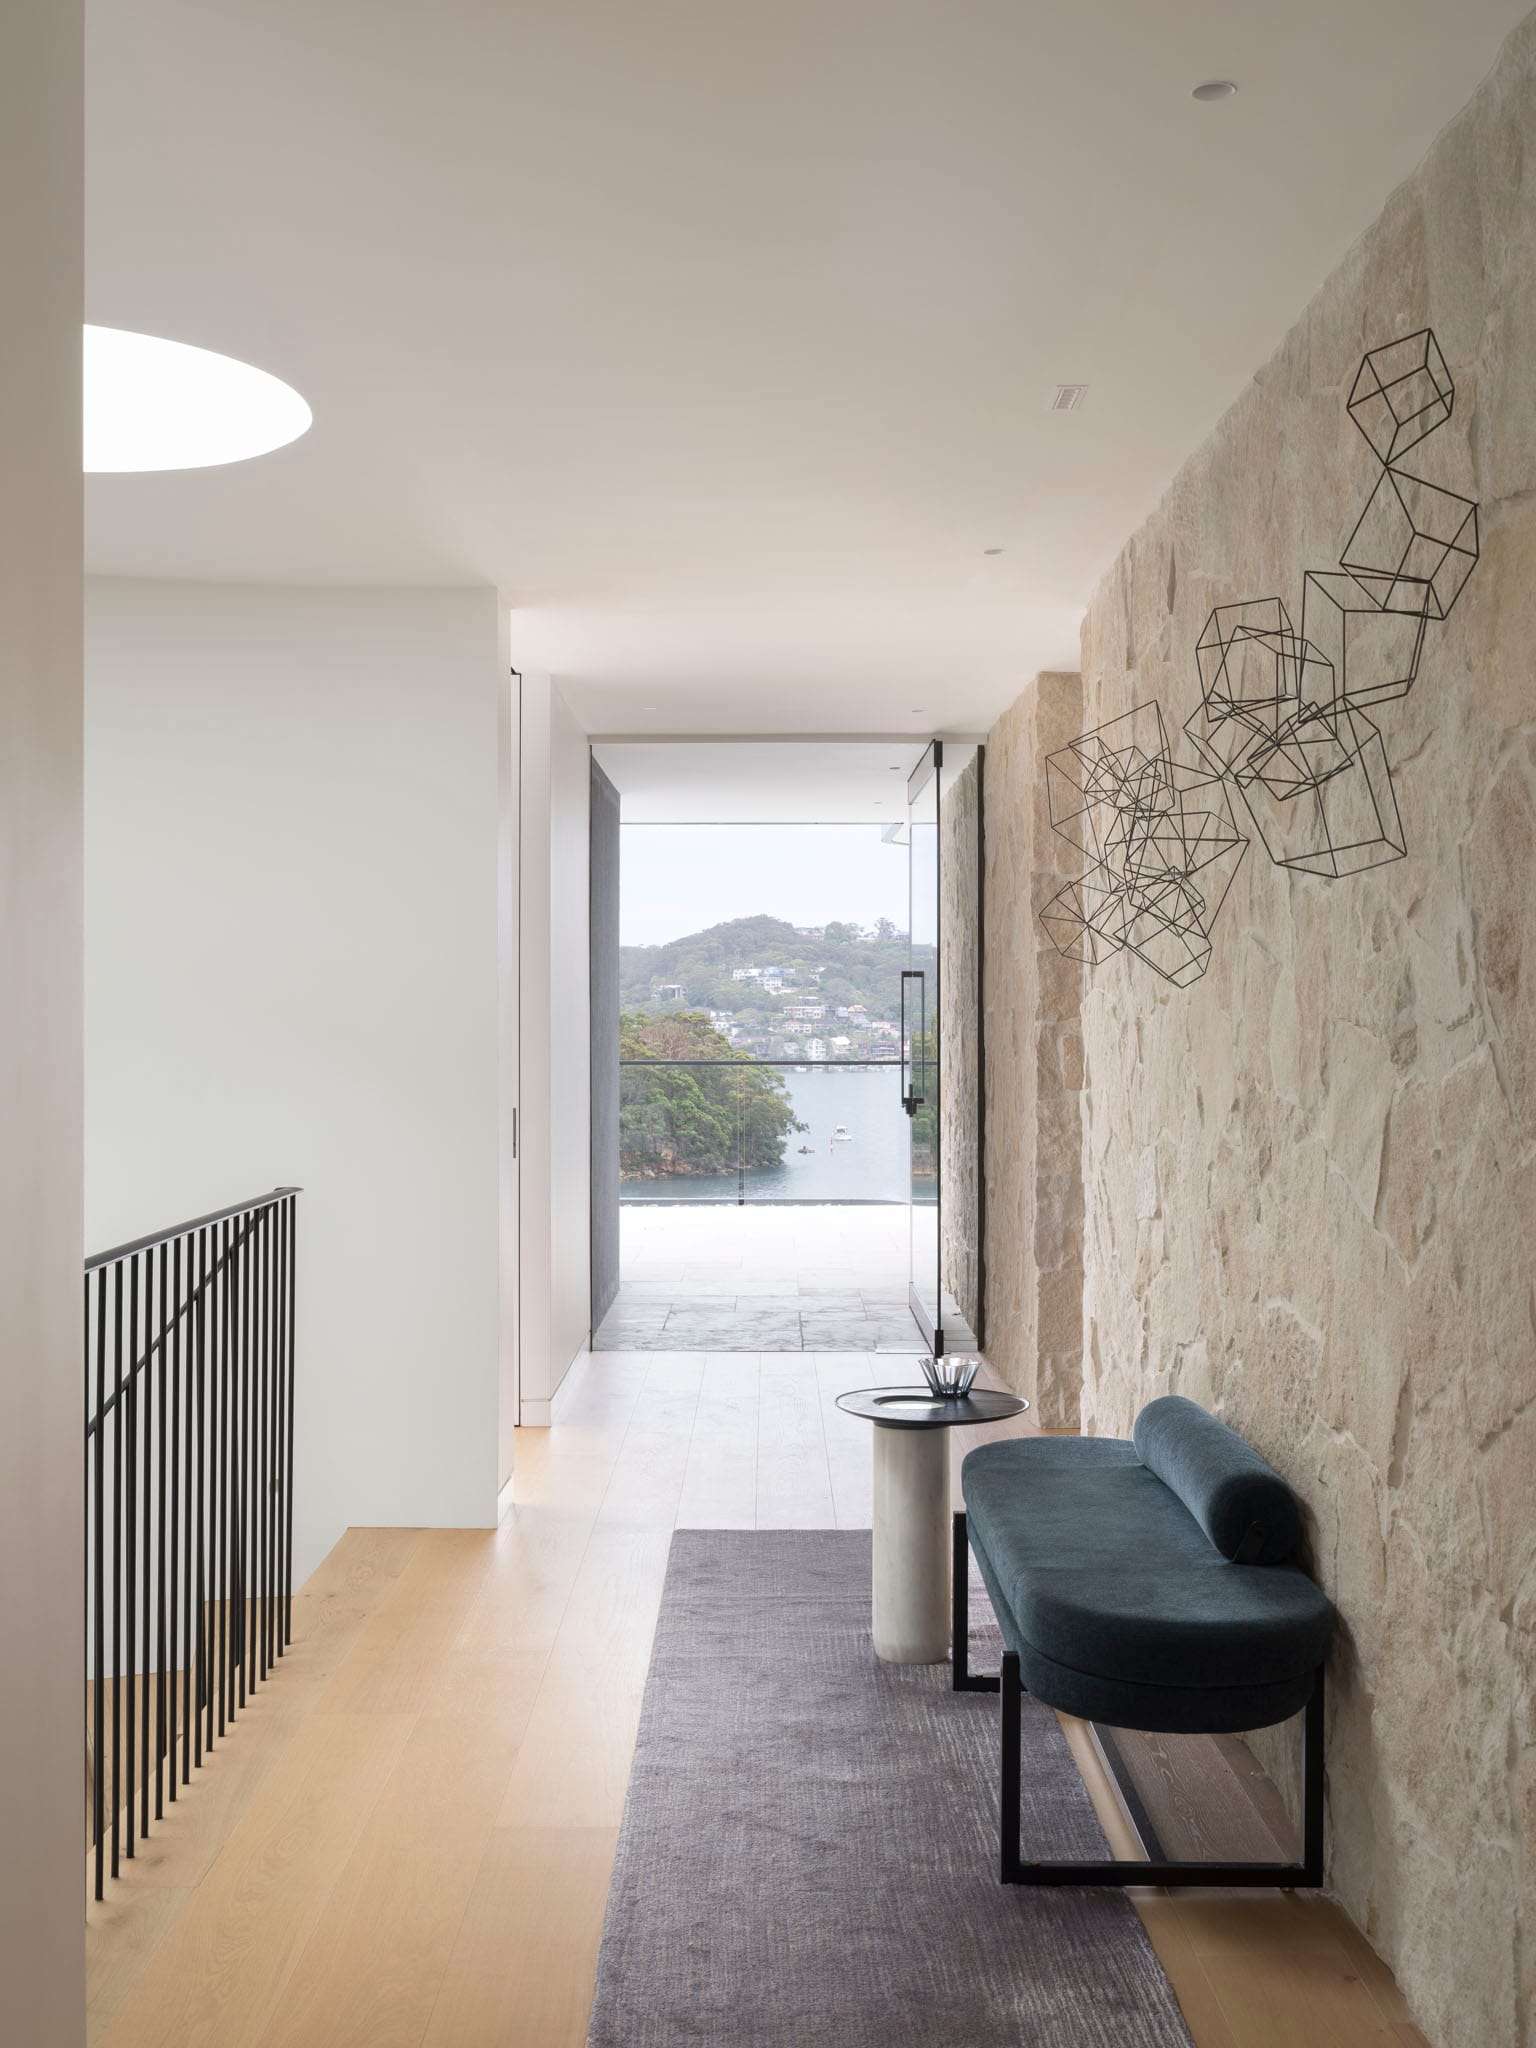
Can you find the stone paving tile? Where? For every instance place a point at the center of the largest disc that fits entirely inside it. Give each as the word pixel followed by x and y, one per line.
pixel 907 1341
pixel 816 1337
pixel 808 1305
pixel 644 1340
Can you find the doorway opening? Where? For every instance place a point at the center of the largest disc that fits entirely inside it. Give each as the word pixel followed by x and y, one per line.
pixel 786 1046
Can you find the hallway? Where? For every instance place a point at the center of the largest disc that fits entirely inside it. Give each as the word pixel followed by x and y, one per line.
pixel 407 1842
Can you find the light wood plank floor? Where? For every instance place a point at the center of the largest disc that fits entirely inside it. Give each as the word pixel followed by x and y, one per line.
pixel 406 1843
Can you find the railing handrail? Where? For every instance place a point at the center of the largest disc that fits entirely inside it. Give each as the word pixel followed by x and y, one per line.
pixel 196 1292
pixel 156 1237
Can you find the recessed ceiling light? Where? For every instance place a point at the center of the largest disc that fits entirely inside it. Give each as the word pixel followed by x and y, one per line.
pixel 156 404
pixel 1215 89
pixel 991 551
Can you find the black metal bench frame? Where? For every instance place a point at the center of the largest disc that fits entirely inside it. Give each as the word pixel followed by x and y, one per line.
pixel 1158 1868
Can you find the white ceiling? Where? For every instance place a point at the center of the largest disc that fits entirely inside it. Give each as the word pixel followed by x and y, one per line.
pixel 721 336
pixel 774 782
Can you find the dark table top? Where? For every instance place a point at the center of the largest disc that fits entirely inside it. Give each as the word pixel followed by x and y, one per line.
pixel 917 1408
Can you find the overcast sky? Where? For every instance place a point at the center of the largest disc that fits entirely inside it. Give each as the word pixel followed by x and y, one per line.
pixel 677 879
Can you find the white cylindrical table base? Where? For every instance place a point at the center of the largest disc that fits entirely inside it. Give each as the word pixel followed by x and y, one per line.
pixel 911 1546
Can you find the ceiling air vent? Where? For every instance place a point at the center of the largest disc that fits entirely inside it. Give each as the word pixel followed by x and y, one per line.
pixel 1068 397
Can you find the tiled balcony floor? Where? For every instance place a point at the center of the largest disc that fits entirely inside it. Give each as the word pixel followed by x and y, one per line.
pixel 717 1277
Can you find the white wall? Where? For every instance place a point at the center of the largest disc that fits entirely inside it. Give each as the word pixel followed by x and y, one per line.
pixel 292 976
pixel 554 1035
pixel 42 1972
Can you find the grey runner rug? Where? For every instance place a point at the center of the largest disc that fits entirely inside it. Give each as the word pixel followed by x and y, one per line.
pixel 809 1847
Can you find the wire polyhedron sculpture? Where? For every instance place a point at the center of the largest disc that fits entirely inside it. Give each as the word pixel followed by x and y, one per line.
pixel 1281 720
pixel 1162 847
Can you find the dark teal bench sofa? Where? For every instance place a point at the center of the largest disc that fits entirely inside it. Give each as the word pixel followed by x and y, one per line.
pixel 1148 1585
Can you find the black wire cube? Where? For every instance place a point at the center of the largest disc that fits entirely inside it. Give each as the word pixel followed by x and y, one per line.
pixel 1402 392
pixel 1373 649
pixel 1325 804
pixel 1414 545
pixel 1257 676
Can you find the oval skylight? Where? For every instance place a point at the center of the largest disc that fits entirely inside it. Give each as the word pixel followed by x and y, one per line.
pixel 154 404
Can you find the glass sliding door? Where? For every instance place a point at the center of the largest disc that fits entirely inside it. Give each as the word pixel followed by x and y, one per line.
pixel 941 1046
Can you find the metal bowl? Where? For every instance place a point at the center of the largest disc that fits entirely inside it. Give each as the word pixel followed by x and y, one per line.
pixel 950 1377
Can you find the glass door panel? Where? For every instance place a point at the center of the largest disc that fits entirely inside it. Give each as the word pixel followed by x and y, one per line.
pixel 941 1046
pixel 920 1020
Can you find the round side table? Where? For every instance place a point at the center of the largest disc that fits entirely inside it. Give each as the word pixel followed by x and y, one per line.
pixel 910 1598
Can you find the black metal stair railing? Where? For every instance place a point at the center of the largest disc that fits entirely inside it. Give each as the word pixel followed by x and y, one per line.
pixel 189 1338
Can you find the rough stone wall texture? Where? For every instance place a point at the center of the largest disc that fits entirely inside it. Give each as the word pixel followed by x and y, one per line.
pixel 1311 1179
pixel 1034 1068
pixel 959 1055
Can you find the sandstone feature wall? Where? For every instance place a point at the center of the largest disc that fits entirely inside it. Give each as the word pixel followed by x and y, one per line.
pixel 1311 1179
pixel 1034 1211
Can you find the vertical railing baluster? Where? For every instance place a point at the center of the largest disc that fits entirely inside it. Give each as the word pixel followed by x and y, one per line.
pixel 129 1393
pixel 171 1660
pixel 240 1440
pixel 117 1554
pixel 194 1309
pixel 279 1490
pixel 226 1621
pixel 99 1579
pixel 88 1551
pixel 236 1593
pixel 243 1446
pixel 204 1708
pixel 253 1460
pixel 259 1417
pixel 258 1648
pixel 143 1379
pixel 279 1476
pixel 221 1568
pixel 292 1218
pixel 266 1442
pixel 246 1477
pixel 168 1310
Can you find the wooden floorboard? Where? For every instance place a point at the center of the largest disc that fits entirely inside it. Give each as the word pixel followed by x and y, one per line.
pixel 406 1840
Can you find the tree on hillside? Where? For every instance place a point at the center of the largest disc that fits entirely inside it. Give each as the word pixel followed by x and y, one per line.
pixel 695 1118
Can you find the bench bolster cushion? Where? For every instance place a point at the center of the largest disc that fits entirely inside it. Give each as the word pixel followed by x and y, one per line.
pixel 1241 1503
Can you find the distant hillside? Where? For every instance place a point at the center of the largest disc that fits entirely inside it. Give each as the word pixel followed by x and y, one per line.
pixel 842 966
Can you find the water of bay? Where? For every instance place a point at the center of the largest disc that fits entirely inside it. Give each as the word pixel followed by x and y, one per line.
pixel 871 1165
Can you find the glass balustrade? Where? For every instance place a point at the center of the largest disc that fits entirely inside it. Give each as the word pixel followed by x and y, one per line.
pixel 746 1130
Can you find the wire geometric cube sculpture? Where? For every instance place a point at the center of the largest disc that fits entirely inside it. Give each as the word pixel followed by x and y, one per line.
pixel 1281 713
pixel 1162 846
pixel 1281 720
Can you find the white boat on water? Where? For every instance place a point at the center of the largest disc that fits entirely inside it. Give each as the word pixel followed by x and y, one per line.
pixel 842 1135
